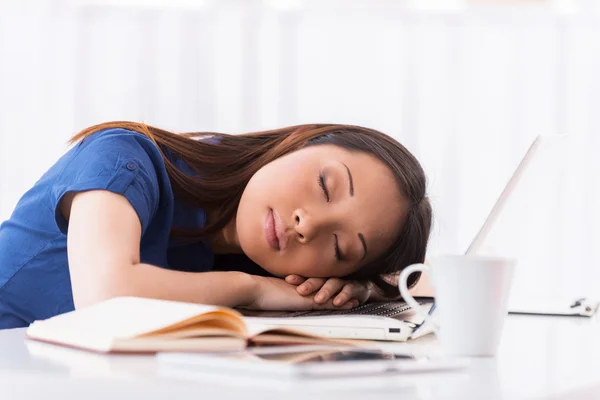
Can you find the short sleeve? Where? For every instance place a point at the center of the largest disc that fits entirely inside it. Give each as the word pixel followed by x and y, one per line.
pixel 121 162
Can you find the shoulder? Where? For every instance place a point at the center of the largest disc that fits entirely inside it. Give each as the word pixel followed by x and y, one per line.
pixel 108 151
pixel 118 140
pixel 117 160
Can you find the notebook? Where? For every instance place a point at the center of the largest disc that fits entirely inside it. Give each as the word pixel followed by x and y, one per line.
pixel 142 325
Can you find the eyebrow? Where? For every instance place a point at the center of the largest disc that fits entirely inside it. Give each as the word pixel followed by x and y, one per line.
pixel 351 183
pixel 364 243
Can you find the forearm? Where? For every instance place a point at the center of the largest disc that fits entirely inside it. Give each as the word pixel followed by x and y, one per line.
pixel 230 289
pixel 103 245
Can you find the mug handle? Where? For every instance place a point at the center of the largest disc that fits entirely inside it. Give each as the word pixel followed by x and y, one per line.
pixel 402 285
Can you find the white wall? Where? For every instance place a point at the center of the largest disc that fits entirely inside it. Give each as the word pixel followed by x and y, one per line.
pixel 465 90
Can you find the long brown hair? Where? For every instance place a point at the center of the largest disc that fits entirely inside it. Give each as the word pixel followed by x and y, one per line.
pixel 227 164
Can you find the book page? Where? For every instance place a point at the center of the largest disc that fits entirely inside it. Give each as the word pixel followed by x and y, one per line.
pixel 122 317
pixel 262 334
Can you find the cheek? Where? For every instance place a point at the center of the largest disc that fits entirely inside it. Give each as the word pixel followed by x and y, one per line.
pixel 276 187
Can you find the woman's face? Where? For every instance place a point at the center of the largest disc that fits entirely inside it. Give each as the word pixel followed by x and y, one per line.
pixel 321 211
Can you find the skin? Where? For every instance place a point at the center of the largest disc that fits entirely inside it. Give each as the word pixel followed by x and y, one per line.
pixel 312 220
pixel 104 237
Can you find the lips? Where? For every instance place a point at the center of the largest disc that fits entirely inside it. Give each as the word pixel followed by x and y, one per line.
pixel 275 231
pixel 270 231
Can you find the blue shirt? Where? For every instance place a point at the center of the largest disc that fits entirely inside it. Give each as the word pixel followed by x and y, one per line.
pixel 34 270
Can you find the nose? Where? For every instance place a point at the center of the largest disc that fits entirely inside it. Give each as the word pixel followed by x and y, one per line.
pixel 305 226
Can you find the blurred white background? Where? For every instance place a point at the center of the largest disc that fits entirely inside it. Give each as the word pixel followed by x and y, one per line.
pixel 465 86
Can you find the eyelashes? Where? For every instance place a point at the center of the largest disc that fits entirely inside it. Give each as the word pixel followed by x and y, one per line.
pixel 321 182
pixel 336 247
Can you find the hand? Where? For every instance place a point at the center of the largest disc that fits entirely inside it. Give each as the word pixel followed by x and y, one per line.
pixel 277 294
pixel 340 291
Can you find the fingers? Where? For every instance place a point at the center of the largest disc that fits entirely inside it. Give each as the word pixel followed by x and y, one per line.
pixel 348 292
pixel 332 293
pixel 310 286
pixel 326 288
pixel 355 292
pixel 295 279
pixel 329 289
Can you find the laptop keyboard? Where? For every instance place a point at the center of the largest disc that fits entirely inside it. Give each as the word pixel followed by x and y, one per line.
pixel 389 309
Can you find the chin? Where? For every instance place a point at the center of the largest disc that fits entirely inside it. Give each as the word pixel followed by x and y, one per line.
pixel 255 247
pixel 251 236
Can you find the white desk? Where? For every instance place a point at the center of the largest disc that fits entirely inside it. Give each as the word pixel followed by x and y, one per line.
pixel 539 358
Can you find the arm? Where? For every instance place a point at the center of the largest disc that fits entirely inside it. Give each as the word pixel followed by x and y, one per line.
pixel 104 259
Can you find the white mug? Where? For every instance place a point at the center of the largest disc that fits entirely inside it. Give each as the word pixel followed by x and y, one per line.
pixel 471 299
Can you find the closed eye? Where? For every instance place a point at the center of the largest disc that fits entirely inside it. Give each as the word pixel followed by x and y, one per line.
pixel 321 182
pixel 336 248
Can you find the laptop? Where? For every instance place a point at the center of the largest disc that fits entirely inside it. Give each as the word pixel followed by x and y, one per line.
pixel 394 320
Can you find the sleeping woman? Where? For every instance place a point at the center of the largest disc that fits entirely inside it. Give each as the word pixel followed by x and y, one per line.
pixel 317 216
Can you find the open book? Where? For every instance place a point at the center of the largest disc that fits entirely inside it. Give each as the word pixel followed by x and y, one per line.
pixel 141 325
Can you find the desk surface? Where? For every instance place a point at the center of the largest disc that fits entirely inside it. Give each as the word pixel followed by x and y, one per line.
pixel 539 358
